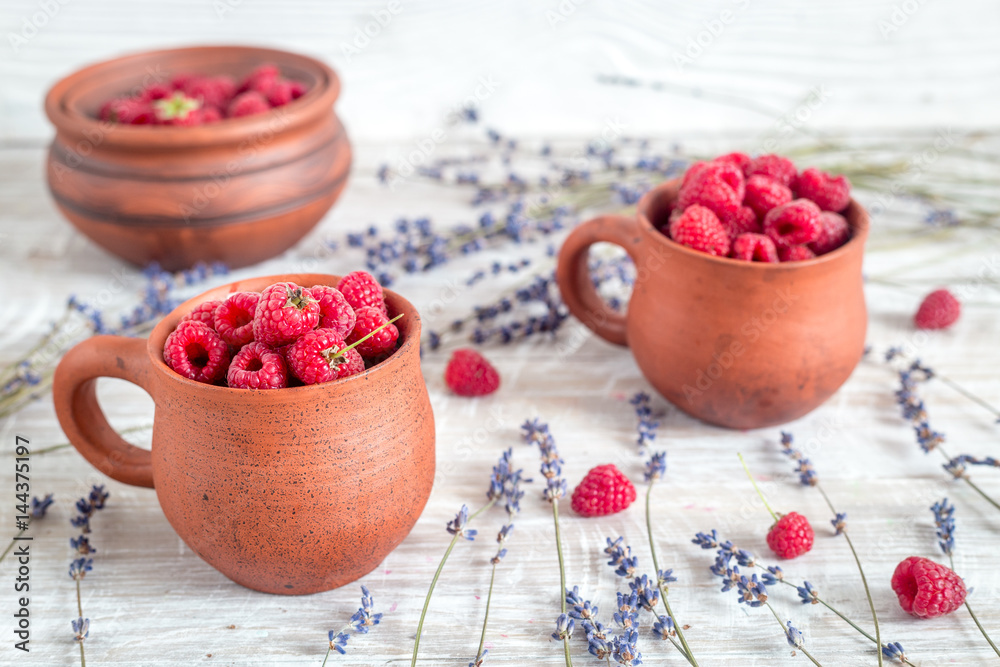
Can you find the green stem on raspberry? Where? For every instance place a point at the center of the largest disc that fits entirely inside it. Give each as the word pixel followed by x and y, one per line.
pixel 757 488
pixel 335 352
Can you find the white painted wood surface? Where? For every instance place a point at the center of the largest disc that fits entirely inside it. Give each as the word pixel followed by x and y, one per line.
pixel 151 601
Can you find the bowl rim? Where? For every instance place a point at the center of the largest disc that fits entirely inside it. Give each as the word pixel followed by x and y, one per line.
pixel 69 120
pixel 856 215
pixel 410 331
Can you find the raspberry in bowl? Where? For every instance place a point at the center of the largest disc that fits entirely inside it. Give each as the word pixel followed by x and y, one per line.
pixel 155 180
pixel 748 307
pixel 288 490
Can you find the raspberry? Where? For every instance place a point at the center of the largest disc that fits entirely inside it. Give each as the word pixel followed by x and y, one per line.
pixel 778 168
pixel 764 193
pixel 605 490
pixel 178 109
pixel 203 313
pixel 285 312
pixel 261 79
pixel 319 356
pixel 741 160
pixel 334 311
pixel 196 352
pixel 247 104
pixel 699 228
pixel 178 81
pixel 155 91
pixel 361 289
pixel 128 111
pixel 257 366
pixel 744 221
pixel 210 115
pixel 298 89
pixel 795 253
pixel 927 589
pixel 790 536
pixel 794 223
pixel 384 340
pixel 754 248
pixel 281 93
pixel 469 374
pixel 833 233
pixel 234 318
pixel 830 193
pixel 213 91
pixel 718 186
pixel 692 173
pixel 939 310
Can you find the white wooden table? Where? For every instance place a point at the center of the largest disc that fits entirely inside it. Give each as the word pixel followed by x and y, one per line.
pixel 152 601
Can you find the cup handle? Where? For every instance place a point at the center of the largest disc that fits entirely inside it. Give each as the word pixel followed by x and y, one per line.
pixel 74 393
pixel 573 274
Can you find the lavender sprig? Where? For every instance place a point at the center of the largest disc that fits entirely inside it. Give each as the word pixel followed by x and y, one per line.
pixel 944 520
pixel 656 468
pixel 37 511
pixel 537 433
pixel 79 567
pixel 361 622
pixel 773 575
pixel 808 477
pixel 503 486
pixel 913 409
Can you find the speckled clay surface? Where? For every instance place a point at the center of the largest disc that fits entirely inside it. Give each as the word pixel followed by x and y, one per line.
pixel 738 344
pixel 287 491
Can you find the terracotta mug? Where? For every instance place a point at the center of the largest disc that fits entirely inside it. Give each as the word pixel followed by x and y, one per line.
pixel 288 491
pixel 737 344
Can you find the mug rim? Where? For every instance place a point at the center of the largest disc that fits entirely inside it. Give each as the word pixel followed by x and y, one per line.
pixel 63 112
pixel 858 237
pixel 157 337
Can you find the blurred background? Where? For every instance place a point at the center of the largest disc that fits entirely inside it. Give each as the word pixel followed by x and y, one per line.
pixel 544 67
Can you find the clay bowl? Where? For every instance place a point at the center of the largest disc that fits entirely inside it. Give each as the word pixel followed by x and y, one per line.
pixel 287 491
pixel 238 191
pixel 738 344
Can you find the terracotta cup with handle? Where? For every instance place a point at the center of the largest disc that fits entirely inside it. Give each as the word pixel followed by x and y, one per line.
pixel 733 343
pixel 288 491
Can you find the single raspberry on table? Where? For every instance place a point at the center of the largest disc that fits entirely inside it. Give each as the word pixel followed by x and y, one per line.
pixel 776 167
pixel 754 248
pixel 247 104
pixel 939 310
pixel 322 355
pixel 795 253
pixel 743 222
pixel 334 311
pixel 604 490
pixel 361 289
pixel 204 312
pixel 285 312
pixel 790 536
pixel 384 334
pixel 234 318
pixel 698 228
pixel 833 233
pixel 926 589
pixel 831 193
pixel 764 193
pixel 468 373
pixel 256 366
pixel 197 352
pixel 794 223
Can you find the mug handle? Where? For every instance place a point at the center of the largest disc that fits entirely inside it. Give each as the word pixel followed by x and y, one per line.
pixel 74 392
pixel 573 273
